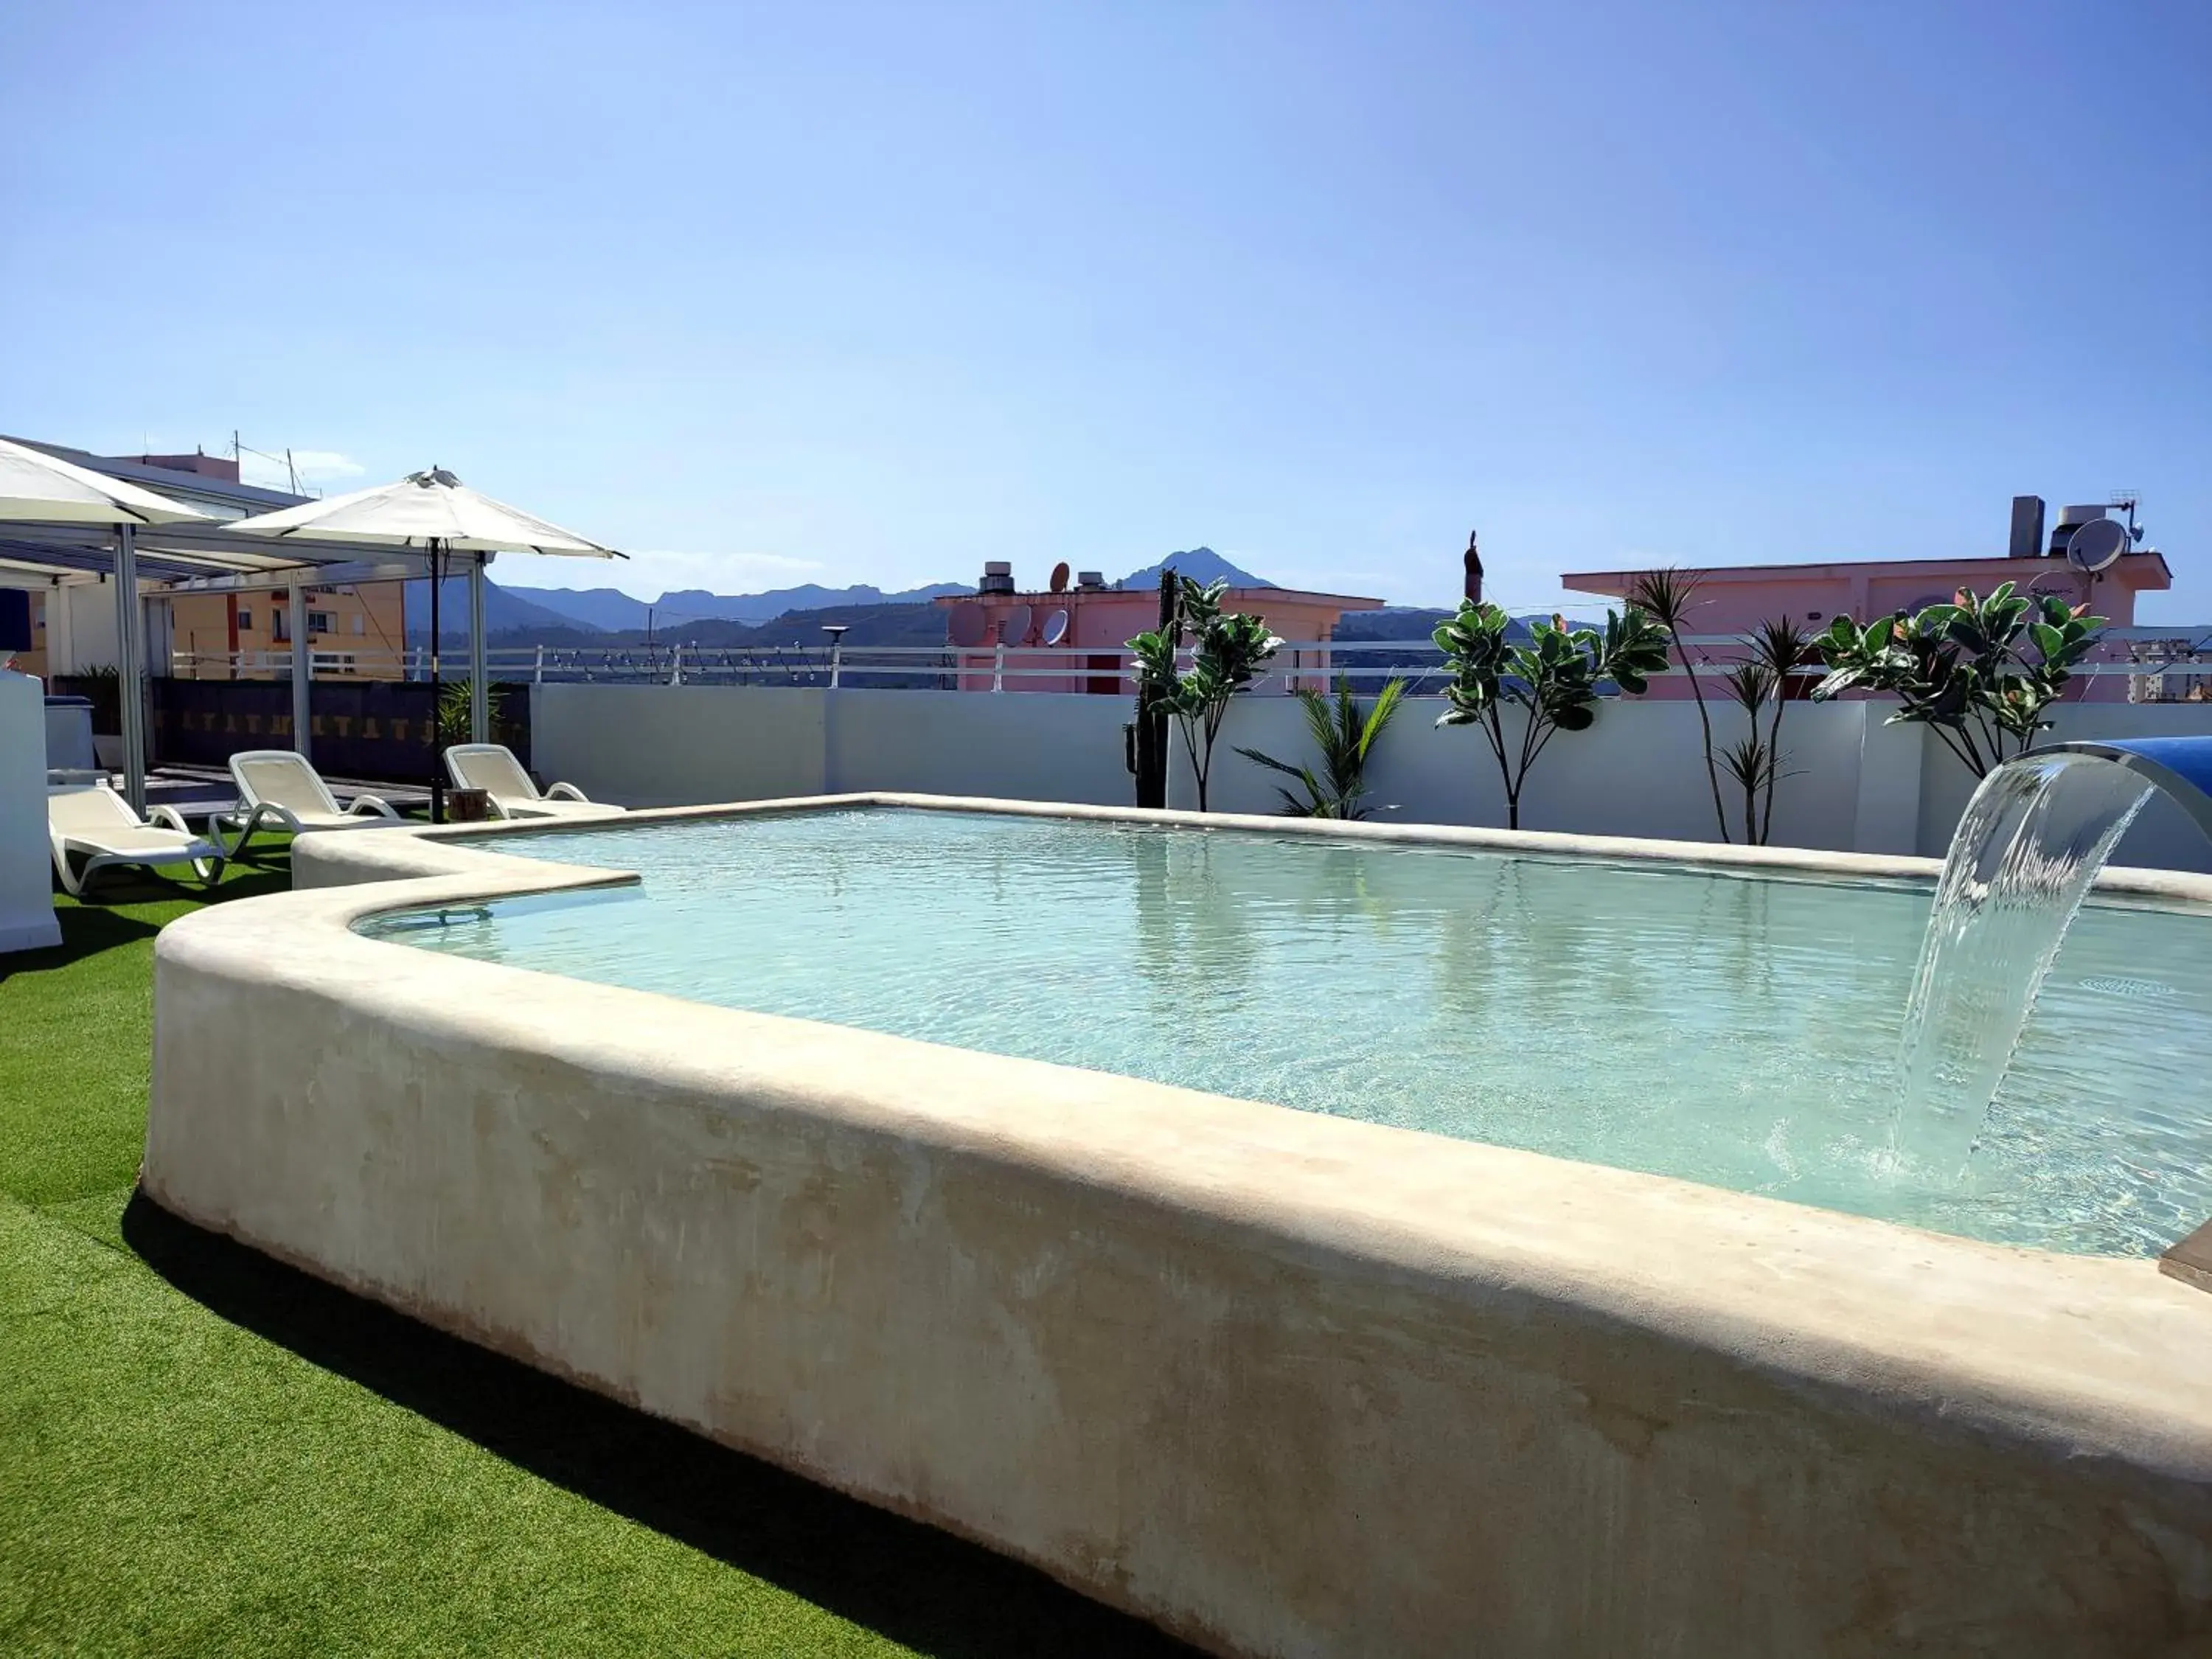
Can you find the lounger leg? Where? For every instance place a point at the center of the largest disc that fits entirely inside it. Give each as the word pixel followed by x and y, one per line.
pixel 236 851
pixel 72 884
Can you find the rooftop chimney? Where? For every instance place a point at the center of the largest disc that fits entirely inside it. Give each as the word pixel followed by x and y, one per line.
pixel 2071 519
pixel 2027 527
pixel 997 577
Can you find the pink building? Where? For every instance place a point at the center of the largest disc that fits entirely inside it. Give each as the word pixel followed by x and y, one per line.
pixel 1732 601
pixel 1074 638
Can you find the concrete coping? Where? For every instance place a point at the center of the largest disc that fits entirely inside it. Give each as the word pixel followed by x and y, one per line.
pixel 2078 1356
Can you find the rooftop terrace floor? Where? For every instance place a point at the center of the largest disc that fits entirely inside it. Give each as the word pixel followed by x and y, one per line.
pixel 203 1451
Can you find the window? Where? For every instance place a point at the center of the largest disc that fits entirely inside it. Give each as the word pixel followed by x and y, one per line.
pixel 360 624
pixel 319 622
pixel 244 619
pixel 280 625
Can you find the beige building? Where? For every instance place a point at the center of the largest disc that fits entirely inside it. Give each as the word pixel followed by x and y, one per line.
pixel 355 630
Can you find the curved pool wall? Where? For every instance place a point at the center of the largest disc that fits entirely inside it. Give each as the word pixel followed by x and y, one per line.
pixel 1283 1382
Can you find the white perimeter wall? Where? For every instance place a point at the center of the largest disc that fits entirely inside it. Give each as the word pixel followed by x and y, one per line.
pixel 1856 784
pixel 26 905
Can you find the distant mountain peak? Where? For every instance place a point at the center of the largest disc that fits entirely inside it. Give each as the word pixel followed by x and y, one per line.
pixel 1201 564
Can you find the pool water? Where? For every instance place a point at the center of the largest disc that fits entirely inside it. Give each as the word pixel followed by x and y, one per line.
pixel 1732 1029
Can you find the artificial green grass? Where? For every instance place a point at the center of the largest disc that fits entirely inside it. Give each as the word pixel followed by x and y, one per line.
pixel 204 1452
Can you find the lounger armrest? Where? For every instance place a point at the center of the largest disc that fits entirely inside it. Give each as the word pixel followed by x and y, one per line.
pixel 170 818
pixel 567 792
pixel 365 804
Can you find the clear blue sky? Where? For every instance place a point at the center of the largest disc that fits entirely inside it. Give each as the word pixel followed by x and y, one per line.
pixel 877 293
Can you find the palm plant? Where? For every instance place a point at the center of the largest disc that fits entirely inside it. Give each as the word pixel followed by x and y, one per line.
pixel 456 715
pixel 1345 733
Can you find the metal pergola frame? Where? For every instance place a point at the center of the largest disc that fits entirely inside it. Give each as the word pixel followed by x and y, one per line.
pixel 157 561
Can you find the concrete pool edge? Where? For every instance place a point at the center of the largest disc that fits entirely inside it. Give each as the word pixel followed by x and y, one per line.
pixel 1242 1369
pixel 419 850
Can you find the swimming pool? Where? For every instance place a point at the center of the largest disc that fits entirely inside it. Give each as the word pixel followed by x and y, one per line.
pixel 1731 1027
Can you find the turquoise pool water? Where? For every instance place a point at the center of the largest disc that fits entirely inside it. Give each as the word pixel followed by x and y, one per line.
pixel 1739 1030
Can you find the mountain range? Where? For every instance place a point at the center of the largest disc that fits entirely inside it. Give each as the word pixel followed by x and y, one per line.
pixel 615 611
pixel 586 611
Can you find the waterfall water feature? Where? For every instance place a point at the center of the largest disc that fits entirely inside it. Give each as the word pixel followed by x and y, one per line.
pixel 2024 857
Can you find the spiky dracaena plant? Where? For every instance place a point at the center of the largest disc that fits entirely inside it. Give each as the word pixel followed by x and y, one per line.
pixel 1780 647
pixel 1752 761
pixel 1345 733
pixel 1667 596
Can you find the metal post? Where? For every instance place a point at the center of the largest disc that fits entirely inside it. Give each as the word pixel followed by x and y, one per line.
pixel 998 666
pixel 131 668
pixel 538 669
pixel 1149 747
pixel 303 669
pixel 479 679
pixel 437 726
pixel 676 664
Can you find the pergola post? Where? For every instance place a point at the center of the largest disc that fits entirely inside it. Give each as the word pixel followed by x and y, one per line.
pixel 303 670
pixel 130 667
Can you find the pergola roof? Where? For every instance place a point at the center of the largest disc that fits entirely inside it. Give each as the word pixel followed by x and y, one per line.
pixel 195 554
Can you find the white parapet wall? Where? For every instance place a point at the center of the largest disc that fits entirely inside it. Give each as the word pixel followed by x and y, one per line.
pixel 1854 783
pixel 27 904
pixel 1287 1383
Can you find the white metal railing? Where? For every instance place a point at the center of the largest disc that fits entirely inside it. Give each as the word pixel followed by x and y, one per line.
pixel 2150 656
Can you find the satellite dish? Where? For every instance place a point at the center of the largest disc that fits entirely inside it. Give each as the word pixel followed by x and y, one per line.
pixel 1060 577
pixel 1015 631
pixel 2097 544
pixel 968 625
pixel 1056 625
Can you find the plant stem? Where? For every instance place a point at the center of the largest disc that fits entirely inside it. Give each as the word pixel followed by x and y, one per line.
pixel 1705 727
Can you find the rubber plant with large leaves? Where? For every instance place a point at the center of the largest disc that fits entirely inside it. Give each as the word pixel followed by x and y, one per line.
pixel 1964 669
pixel 1554 678
pixel 1227 653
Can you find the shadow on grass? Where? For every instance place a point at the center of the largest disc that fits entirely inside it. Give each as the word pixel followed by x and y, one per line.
pixel 909 1581
pixel 100 921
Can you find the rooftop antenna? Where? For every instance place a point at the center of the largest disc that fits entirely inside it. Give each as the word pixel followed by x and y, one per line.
pixel 2127 500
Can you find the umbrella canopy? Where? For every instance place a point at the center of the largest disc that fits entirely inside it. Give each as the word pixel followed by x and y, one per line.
pixel 43 489
pixel 425 509
pixel 435 510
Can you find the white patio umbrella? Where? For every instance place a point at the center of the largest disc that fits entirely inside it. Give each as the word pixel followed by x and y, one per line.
pixel 42 488
pixel 36 488
pixel 436 512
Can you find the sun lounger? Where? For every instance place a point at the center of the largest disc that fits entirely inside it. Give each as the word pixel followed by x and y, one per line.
pixel 277 787
pixel 92 822
pixel 492 768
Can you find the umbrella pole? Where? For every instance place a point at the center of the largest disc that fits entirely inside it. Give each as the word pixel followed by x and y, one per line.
pixel 437 725
pixel 479 678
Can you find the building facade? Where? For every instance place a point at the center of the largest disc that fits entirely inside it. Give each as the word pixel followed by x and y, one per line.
pixel 1731 601
pixel 1072 639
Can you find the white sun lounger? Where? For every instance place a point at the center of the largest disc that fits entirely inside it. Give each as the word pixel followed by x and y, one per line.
pixel 492 768
pixel 277 787
pixel 91 822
